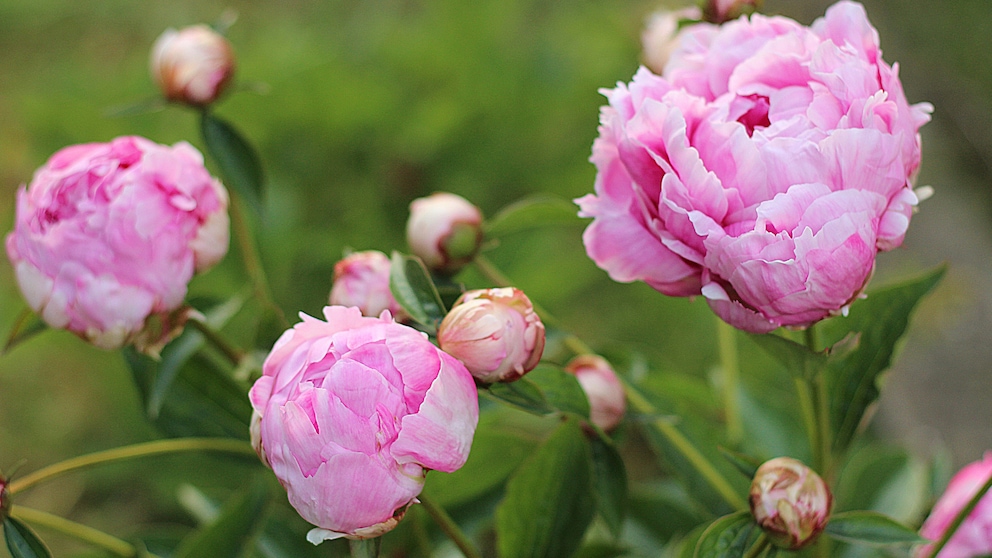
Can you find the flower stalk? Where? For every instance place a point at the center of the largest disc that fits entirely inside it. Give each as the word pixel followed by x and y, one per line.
pixel 78 531
pixel 450 528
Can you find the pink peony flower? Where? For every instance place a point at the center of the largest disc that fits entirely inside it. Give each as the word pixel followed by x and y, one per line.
pixel 362 279
pixel 763 170
pixel 790 502
pixel 444 230
pixel 108 235
pixel 193 65
pixel 351 413
pixel 607 402
pixel 495 333
pixel 974 536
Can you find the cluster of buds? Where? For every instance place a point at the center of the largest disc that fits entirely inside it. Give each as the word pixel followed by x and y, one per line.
pixel 607 403
pixel 790 502
pixel 495 333
pixel 361 279
pixel 193 65
pixel 445 231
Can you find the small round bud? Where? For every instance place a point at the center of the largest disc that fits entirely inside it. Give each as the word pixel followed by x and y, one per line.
pixel 790 502
pixel 495 333
pixel 444 230
pixel 193 65
pixel 720 11
pixel 607 403
pixel 362 279
pixel 661 36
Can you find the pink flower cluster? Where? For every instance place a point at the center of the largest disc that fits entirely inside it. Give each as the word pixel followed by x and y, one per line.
pixel 110 234
pixel 763 170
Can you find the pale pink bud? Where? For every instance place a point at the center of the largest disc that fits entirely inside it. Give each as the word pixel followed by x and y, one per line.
pixel 193 65
pixel 790 502
pixel 661 36
pixel 362 279
pixel 495 333
pixel 351 413
pixel 974 536
pixel 607 403
pixel 444 230
pixel 108 235
pixel 720 11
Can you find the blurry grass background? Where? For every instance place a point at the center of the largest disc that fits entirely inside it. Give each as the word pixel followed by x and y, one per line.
pixel 373 103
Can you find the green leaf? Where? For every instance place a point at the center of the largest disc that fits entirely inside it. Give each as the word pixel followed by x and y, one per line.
pixel 26 326
pixel 549 502
pixel 868 527
pixel 797 359
pixel 728 537
pixel 746 464
pixel 21 540
pixel 610 484
pixel 532 212
pixel 668 499
pixel 414 290
pixel 233 530
pixel 239 164
pixel 561 390
pixel 879 321
pixel 522 394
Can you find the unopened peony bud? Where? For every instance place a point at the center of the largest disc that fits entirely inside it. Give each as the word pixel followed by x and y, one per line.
pixel 362 279
pixel 974 536
pixel 444 230
pixel 4 499
pixel 607 403
pixel 720 11
pixel 661 36
pixel 495 333
pixel 193 65
pixel 790 502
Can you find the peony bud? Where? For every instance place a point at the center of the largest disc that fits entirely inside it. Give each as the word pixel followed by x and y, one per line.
pixel 351 413
pixel 974 536
pixel 4 499
pixel 607 402
pixel 444 230
pixel 193 65
pixel 720 11
pixel 661 36
pixel 362 279
pixel 108 235
pixel 495 333
pixel 790 502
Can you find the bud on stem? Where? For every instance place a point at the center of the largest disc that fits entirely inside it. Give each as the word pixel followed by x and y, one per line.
pixel 790 502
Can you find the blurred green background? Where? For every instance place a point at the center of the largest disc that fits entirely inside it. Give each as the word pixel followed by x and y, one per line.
pixel 370 104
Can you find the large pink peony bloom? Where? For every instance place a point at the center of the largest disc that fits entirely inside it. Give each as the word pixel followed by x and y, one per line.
pixel 763 170
pixel 108 235
pixel 351 413
pixel 974 536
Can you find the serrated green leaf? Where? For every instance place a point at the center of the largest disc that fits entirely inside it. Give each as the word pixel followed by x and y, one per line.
pixel 610 484
pixel 239 163
pixel 522 394
pixel 879 321
pixel 800 361
pixel 21 540
pixel 868 527
pixel 234 528
pixel 561 390
pixel 728 537
pixel 414 290
pixel 549 502
pixel 532 212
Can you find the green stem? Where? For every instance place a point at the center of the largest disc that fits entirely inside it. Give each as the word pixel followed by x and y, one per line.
pixel 959 519
pixel 808 408
pixel 759 546
pixel 365 548
pixel 730 368
pixel 78 531
pixel 449 527
pixel 496 277
pixel 689 451
pixel 158 447
pixel 814 399
pixel 232 353
pixel 253 262
pixel 823 419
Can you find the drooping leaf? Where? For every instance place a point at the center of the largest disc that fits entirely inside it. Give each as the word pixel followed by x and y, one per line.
pixel 532 212
pixel 610 483
pixel 21 540
pixel 868 527
pixel 549 502
pixel 233 530
pixel 239 163
pixel 879 321
pixel 728 537
pixel 414 290
pixel 522 394
pixel 561 390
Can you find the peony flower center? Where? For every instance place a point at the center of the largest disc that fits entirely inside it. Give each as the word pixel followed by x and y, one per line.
pixel 757 115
